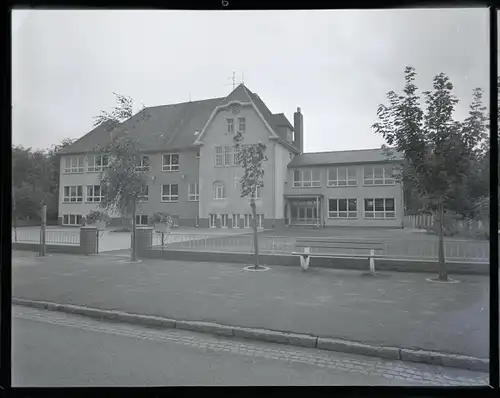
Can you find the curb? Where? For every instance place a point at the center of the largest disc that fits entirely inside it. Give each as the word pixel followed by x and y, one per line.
pixel 294 339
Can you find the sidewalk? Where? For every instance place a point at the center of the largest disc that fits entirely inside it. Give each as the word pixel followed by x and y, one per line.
pixel 401 310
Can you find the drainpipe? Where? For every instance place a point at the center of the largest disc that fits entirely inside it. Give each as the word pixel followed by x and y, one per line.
pixel 274 184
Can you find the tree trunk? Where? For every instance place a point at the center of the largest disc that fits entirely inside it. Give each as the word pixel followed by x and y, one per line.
pixel 443 275
pixel 133 256
pixel 255 239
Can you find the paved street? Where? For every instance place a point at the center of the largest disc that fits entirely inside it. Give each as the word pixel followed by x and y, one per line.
pixel 401 309
pixel 56 349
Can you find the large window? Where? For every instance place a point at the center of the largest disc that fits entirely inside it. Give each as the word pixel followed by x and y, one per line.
pixel 72 219
pixel 144 195
pixel 73 193
pixel 74 164
pixel 378 175
pixel 226 156
pixel 380 208
pixel 144 163
pixel 194 192
pixel 97 163
pixel 170 162
pixel 223 220
pixel 219 190
pixel 342 208
pixel 306 178
pixel 94 193
pixel 342 176
pixel 170 193
pixel 212 220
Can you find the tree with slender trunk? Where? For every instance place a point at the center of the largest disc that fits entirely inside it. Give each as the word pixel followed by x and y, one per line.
pixel 122 181
pixel 438 150
pixel 250 157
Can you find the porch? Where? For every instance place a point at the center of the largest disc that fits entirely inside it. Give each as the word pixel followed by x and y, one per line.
pixel 305 210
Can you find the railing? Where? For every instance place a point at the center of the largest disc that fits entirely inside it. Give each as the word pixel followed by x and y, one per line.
pixel 54 237
pixel 423 248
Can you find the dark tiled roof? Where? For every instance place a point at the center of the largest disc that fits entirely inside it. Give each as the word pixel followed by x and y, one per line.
pixel 172 127
pixel 340 157
pixel 165 127
pixel 97 137
pixel 279 119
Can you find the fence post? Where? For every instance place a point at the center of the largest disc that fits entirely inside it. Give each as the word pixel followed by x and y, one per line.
pixel 372 261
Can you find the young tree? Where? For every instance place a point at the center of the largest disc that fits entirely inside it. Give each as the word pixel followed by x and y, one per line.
pixel 122 181
pixel 250 158
pixel 436 148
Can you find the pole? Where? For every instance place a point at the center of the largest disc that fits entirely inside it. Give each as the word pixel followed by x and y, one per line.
pixel 44 221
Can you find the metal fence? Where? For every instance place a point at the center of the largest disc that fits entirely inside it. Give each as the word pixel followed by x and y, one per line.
pixel 52 236
pixel 423 248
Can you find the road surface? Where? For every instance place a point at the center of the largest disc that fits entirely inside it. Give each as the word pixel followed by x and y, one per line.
pixel 56 349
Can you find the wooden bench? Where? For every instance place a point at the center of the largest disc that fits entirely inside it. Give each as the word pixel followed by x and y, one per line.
pixel 372 249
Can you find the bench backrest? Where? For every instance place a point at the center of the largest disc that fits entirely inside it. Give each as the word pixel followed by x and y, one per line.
pixel 340 244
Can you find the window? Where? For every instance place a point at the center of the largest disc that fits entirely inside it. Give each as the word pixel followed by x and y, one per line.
pixel 170 193
pixel 144 164
pixel 141 219
pixel 212 220
pixel 73 193
pixel 170 162
pixel 241 124
pixel 194 192
pixel 219 190
pixel 94 193
pixel 257 196
pixel 380 208
pixel 235 218
pixel 218 156
pixel 97 163
pixel 306 178
pixel 236 153
pixel 223 220
pixel 72 219
pixel 342 176
pixel 342 208
pixel 73 164
pixel 144 194
pixel 227 156
pixel 260 220
pixel 378 175
pixel 248 221
pixel 230 126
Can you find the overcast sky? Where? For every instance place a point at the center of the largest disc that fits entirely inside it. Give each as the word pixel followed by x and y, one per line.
pixel 336 65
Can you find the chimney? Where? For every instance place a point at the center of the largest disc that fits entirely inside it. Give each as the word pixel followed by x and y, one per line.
pixel 298 126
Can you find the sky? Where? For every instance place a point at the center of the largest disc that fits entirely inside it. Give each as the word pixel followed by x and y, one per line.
pixel 335 65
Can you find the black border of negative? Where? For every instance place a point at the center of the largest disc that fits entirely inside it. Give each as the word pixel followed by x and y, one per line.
pixel 385 391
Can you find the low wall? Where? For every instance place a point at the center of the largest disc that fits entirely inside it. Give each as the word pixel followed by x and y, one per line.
pixel 334 263
pixel 35 247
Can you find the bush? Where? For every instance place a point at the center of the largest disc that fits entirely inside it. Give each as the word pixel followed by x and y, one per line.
pixel 161 217
pixel 95 216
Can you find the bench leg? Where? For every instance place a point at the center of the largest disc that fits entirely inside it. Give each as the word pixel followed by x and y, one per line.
pixel 304 260
pixel 372 261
